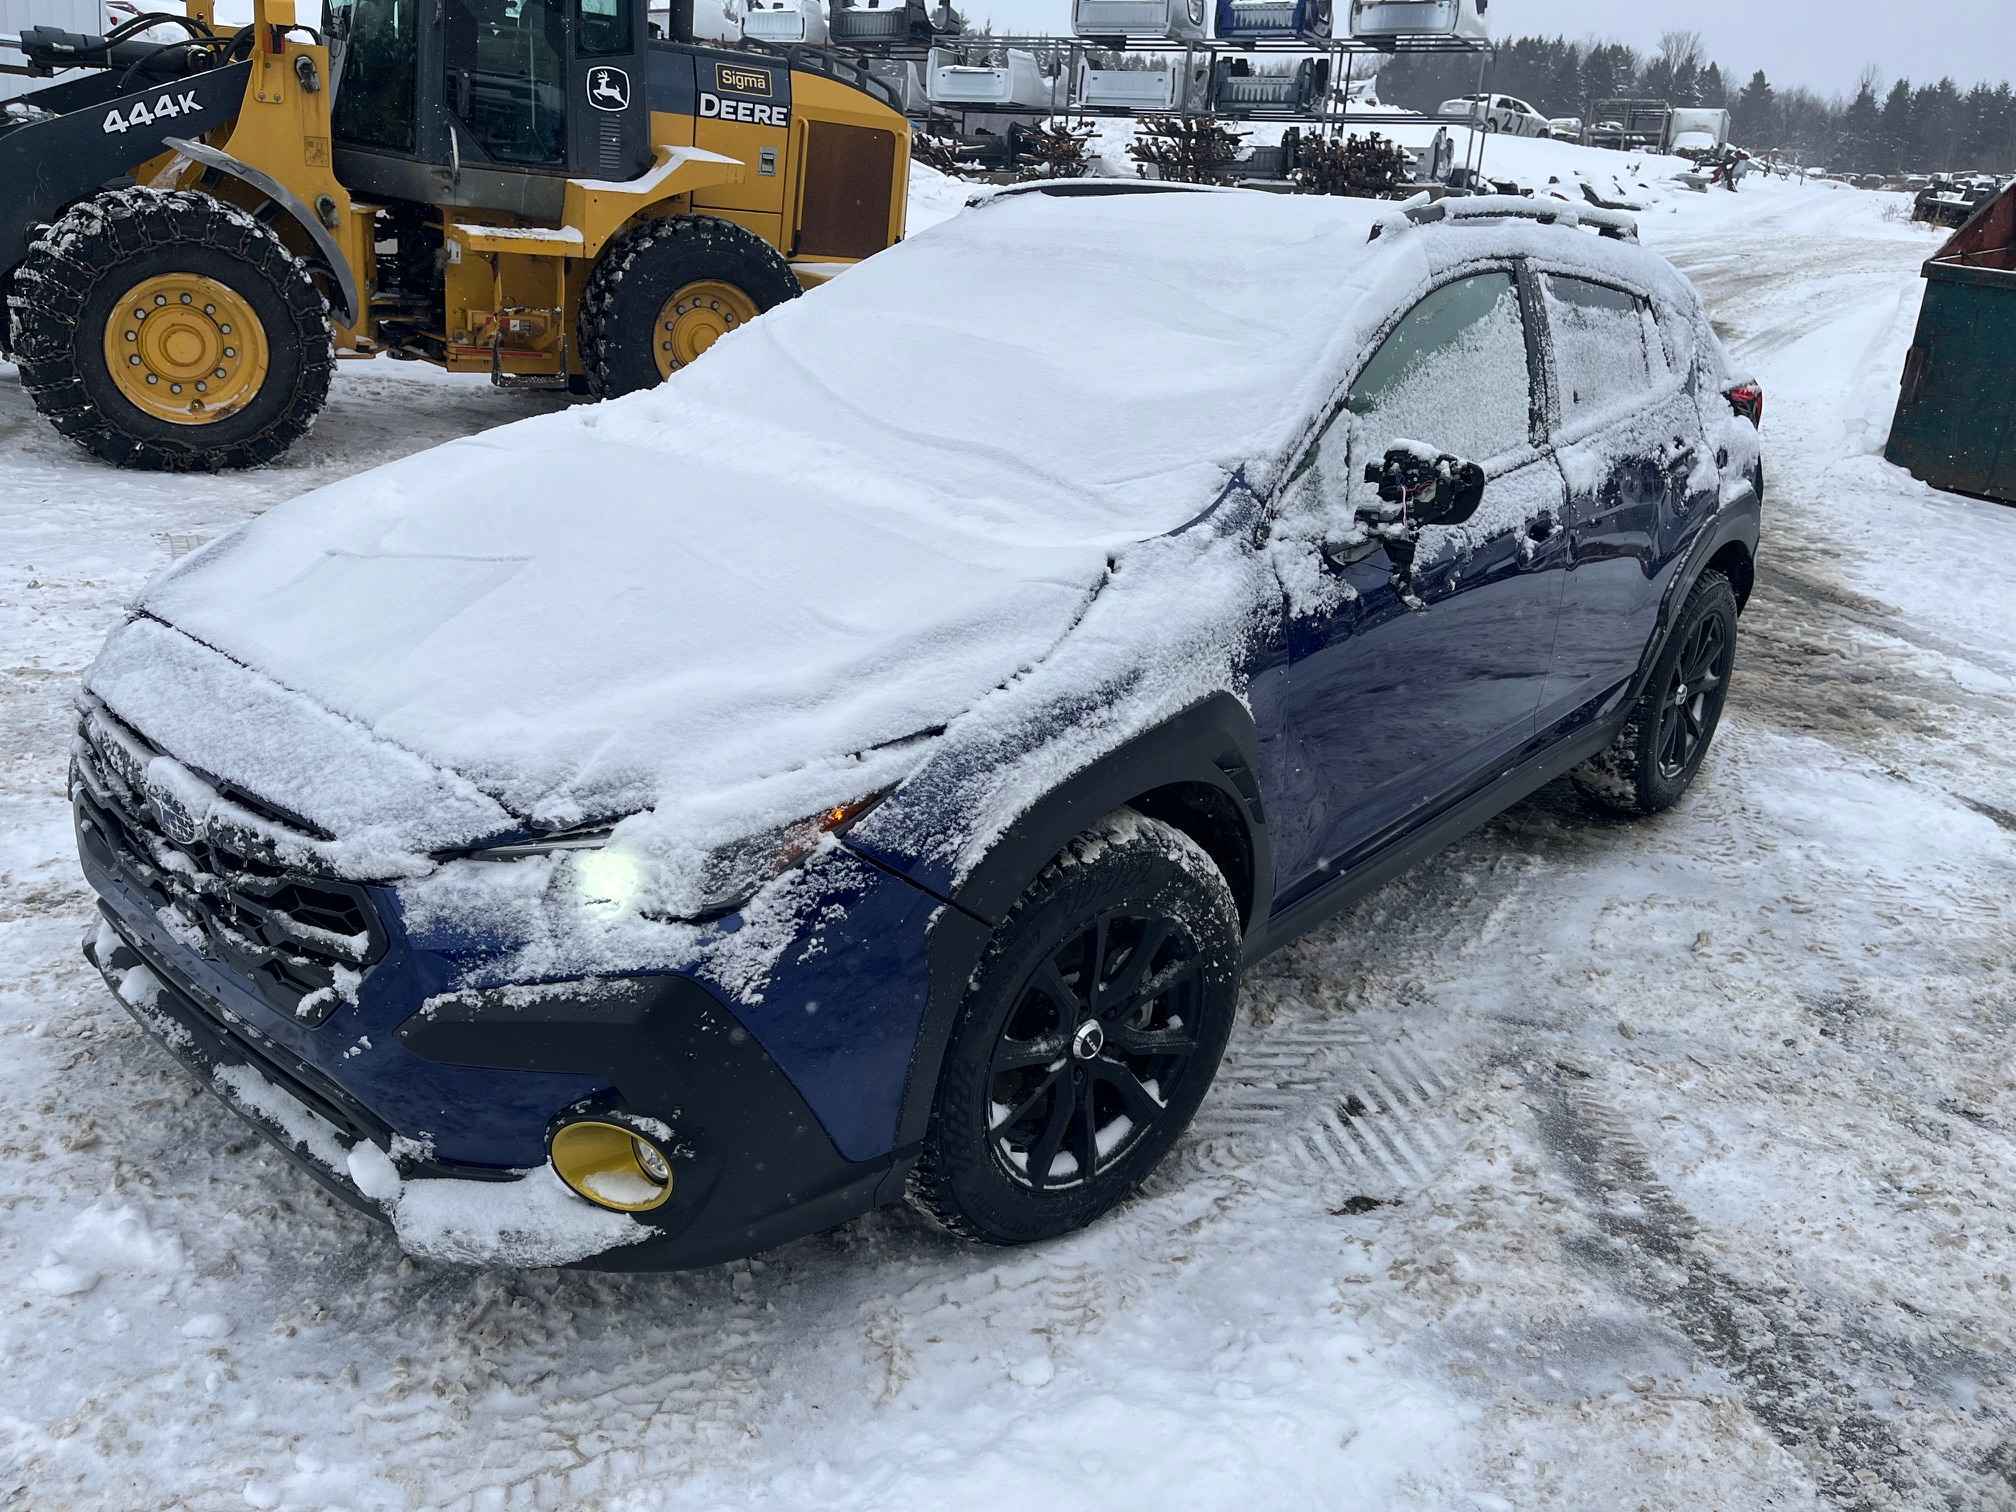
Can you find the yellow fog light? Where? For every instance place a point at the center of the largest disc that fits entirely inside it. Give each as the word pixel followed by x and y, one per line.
pixel 611 1166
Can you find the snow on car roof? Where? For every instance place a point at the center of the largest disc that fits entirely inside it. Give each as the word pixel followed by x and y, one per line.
pixel 848 523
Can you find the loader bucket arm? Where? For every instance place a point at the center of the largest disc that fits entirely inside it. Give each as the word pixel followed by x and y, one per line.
pixel 99 132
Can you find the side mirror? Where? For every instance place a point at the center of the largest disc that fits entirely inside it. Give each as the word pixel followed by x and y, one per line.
pixel 1420 486
pixel 1417 486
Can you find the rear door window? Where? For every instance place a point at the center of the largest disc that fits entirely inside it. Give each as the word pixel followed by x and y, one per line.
pixel 1601 357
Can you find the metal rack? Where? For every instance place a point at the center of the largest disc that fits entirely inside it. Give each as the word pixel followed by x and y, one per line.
pixel 1332 113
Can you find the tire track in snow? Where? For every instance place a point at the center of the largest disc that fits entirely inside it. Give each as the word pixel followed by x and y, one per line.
pixel 1652 1247
pixel 1329 1101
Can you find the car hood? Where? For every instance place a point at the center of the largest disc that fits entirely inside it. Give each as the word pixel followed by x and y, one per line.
pixel 582 636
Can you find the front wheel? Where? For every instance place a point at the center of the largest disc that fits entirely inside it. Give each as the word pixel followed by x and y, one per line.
pixel 666 290
pixel 170 331
pixel 1091 1033
pixel 1654 759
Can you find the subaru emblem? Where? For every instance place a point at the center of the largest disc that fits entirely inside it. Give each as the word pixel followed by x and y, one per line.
pixel 175 820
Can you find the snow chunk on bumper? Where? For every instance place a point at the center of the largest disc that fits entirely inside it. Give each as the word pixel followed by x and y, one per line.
pixel 385 806
pixel 529 1222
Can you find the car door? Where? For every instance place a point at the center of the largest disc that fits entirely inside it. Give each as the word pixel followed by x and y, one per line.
pixel 1396 695
pixel 1628 435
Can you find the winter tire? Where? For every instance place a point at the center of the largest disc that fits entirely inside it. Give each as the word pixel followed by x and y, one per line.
pixel 1091 1031
pixel 170 331
pixel 666 290
pixel 1655 757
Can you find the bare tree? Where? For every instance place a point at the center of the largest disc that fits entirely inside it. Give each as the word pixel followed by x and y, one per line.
pixel 1680 49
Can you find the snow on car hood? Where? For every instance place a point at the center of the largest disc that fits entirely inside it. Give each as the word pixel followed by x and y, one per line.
pixel 850 522
pixel 576 636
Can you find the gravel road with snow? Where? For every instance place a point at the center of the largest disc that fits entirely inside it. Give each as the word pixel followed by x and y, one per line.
pixel 1588 1166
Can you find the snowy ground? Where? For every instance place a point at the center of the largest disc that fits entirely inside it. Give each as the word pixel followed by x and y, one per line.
pixel 1589 1166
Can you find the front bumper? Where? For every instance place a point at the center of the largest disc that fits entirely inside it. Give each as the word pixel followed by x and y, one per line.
pixel 754 1169
pixel 373 1033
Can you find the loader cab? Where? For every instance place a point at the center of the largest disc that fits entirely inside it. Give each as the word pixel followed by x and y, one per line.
pixel 489 104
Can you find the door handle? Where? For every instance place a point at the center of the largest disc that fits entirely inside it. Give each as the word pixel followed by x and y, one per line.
pixel 1681 456
pixel 1541 529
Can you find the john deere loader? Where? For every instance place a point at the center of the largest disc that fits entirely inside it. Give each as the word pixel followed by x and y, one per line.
pixel 193 228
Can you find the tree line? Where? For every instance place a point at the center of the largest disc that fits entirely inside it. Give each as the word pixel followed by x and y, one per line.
pixel 1904 128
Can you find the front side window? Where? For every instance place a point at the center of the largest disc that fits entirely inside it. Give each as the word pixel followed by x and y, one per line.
pixel 1600 353
pixel 1452 375
pixel 379 74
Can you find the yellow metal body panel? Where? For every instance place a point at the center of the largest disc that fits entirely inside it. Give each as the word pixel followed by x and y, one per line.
pixel 510 297
pixel 282 130
pixel 598 209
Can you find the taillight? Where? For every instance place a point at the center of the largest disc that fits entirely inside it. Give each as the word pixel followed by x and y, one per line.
pixel 1747 399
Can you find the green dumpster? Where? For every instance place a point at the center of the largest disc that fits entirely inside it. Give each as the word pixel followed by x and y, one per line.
pixel 1956 418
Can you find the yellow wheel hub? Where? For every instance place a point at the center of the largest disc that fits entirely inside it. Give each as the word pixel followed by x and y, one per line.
pixel 696 317
pixel 185 349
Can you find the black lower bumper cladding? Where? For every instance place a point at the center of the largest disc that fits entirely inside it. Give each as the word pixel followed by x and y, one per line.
pixel 755 1169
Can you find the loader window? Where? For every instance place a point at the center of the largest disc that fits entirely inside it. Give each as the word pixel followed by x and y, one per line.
pixel 603 28
pixel 381 72
pixel 507 76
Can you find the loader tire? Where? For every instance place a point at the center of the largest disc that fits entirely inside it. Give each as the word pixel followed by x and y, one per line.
pixel 235 366
pixel 666 290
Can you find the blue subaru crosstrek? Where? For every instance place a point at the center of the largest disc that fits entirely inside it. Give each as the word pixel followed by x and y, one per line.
pixel 862 768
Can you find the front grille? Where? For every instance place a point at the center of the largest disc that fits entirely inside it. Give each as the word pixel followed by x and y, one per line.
pixel 216 877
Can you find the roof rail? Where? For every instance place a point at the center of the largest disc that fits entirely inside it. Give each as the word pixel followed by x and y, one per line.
pixel 1446 210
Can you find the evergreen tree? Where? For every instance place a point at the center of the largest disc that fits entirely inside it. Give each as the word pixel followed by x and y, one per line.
pixel 1894 128
pixel 1858 146
pixel 1687 84
pixel 1756 113
pixel 1925 129
pixel 1599 76
pixel 1657 83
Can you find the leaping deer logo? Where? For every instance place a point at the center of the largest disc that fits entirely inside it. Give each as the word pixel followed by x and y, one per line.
pixel 609 89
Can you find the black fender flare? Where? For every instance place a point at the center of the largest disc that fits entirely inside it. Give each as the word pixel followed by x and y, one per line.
pixel 346 303
pixel 1210 745
pixel 1742 526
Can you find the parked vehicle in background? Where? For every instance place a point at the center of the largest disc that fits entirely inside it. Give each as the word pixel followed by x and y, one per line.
pixel 1951 199
pixel 1565 128
pixel 1692 132
pixel 1497 112
pixel 646 895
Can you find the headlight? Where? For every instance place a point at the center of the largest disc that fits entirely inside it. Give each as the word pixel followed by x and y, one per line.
pixel 729 875
pixel 624 875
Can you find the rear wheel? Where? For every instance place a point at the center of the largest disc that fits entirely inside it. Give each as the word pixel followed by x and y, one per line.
pixel 665 291
pixel 170 331
pixel 1089 1037
pixel 1654 759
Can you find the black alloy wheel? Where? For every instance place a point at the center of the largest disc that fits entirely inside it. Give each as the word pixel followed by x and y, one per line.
pixel 1099 1040
pixel 1694 696
pixel 1090 1034
pixel 1655 757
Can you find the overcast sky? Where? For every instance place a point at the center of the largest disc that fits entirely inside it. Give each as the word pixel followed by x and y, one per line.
pixel 1822 44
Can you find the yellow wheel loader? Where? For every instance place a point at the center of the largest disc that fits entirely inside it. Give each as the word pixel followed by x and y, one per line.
pixel 195 225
